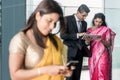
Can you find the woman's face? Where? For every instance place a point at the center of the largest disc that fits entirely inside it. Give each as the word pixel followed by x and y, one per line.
pixel 47 22
pixel 98 22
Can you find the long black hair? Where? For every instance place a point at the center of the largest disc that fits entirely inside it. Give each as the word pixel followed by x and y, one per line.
pixel 101 16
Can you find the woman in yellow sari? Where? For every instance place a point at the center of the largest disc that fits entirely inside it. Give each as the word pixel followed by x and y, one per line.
pixel 34 52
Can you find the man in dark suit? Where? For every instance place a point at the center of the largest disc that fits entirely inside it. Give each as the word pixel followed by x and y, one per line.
pixel 75 28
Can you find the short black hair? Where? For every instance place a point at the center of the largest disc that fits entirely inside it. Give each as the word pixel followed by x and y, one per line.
pixel 83 8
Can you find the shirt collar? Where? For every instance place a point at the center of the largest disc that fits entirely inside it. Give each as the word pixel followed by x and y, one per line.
pixel 76 18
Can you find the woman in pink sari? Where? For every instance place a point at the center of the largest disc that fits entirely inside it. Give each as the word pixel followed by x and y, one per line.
pixel 100 64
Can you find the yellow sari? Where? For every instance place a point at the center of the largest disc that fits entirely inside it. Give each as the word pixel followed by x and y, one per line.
pixel 51 56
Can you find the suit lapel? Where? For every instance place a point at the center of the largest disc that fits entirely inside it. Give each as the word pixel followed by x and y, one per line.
pixel 74 23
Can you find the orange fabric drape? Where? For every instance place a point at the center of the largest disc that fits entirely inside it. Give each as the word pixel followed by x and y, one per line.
pixel 51 56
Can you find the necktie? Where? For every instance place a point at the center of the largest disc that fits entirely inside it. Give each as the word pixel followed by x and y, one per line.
pixel 79 26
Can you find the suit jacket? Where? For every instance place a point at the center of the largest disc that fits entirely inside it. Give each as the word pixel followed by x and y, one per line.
pixel 69 35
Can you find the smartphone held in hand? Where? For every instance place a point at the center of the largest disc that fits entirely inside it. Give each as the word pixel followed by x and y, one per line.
pixel 72 63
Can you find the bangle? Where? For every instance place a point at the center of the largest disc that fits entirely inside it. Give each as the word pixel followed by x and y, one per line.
pixel 38 70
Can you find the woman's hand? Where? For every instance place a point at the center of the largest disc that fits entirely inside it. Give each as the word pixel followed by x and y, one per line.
pixel 57 70
pixel 88 39
pixel 105 43
pixel 52 69
pixel 68 72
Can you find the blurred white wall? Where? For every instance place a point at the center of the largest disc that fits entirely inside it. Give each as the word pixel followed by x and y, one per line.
pixel 70 7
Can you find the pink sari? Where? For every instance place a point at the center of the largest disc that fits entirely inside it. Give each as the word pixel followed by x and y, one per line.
pixel 100 64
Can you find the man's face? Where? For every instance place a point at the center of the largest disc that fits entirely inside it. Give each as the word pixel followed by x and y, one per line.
pixel 82 15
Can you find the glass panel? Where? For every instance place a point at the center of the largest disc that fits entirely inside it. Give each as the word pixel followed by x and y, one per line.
pixel 112 19
pixel 0 38
pixel 0 22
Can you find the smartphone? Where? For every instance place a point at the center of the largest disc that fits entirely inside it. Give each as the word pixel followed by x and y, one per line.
pixel 72 63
